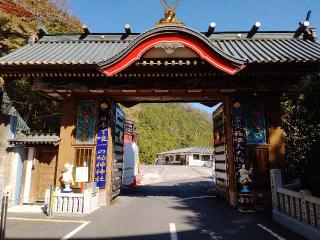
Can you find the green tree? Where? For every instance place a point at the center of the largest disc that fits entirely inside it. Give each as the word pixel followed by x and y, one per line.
pixel 17 22
pixel 301 120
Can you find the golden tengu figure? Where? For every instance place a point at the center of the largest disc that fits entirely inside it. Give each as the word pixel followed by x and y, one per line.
pixel 170 14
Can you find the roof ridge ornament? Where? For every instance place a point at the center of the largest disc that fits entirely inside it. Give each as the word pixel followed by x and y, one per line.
pixel 169 14
pixel 169 47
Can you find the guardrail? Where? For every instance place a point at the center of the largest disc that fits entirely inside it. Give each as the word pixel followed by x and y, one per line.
pixel 299 211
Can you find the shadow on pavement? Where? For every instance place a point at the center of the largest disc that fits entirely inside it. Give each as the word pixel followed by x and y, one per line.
pixel 212 218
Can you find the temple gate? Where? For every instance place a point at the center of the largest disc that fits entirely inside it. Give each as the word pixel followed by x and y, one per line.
pixel 91 72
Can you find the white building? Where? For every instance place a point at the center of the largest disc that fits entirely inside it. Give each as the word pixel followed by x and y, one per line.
pixel 130 163
pixel 192 156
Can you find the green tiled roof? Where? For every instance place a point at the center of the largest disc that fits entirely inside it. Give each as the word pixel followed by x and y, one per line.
pixel 92 49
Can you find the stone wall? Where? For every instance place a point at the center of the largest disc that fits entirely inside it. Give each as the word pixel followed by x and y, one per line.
pixel 4 156
pixel 9 158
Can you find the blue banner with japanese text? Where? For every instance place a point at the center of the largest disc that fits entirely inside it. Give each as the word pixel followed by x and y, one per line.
pixel 102 146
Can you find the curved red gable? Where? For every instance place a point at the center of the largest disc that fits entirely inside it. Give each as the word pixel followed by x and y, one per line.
pixel 200 48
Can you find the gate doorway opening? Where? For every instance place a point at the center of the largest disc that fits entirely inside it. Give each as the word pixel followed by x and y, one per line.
pixel 175 141
pixel 171 134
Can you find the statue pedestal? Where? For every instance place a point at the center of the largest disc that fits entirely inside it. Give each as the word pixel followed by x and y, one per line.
pixel 245 199
pixel 67 188
pixel 245 202
pixel 74 203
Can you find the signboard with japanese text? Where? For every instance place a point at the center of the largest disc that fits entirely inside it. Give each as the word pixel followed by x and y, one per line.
pixel 128 127
pixel 82 174
pixel 238 134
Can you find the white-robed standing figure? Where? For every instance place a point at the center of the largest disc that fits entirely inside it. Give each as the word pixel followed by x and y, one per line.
pixel 67 178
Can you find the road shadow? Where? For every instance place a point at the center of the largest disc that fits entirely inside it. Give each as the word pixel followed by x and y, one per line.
pixel 212 218
pixel 177 188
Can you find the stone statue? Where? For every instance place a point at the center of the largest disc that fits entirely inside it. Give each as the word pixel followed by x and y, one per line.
pixel 67 178
pixel 244 179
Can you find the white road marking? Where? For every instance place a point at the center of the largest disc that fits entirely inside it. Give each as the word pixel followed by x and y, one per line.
pixel 189 198
pixel 173 231
pixel 271 232
pixel 73 232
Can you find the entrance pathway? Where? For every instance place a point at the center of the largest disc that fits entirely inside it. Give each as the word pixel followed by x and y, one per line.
pixel 165 173
pixel 174 210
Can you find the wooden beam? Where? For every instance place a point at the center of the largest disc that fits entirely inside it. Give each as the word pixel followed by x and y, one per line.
pixel 80 89
pixel 96 91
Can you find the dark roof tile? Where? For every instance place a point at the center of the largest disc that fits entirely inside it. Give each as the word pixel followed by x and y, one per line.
pixel 37 139
pixel 264 47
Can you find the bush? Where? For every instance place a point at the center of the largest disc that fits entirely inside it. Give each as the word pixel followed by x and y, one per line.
pixel 301 122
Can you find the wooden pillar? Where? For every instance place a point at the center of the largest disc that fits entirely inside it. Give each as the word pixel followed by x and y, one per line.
pixel 233 195
pixel 67 135
pixel 276 133
pixel 107 194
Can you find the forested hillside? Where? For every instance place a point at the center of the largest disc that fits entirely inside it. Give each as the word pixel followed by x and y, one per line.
pixel 18 20
pixel 163 127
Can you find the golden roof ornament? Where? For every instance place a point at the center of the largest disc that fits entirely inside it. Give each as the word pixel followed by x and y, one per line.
pixel 169 14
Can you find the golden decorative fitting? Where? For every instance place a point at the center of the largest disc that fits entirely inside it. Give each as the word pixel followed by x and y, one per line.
pixel 169 19
pixel 169 14
pixel 1 82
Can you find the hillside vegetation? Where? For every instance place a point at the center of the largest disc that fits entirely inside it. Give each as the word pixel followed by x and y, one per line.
pixel 17 22
pixel 169 126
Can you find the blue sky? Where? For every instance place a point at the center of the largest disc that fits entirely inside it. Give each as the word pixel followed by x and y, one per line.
pixel 229 15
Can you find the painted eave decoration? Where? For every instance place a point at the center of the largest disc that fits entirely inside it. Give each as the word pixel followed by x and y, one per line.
pixel 177 35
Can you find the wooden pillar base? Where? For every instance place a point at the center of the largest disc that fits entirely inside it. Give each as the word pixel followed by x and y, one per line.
pixel 233 198
pixel 102 197
pixel 108 198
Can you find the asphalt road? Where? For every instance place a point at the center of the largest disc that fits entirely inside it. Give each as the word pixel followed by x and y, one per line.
pixel 183 209
pixel 166 173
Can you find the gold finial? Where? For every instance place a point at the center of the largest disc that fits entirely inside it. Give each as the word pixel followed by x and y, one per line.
pixel 169 14
pixel 1 83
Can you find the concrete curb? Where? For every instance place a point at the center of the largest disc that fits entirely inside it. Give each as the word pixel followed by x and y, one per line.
pixel 296 226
